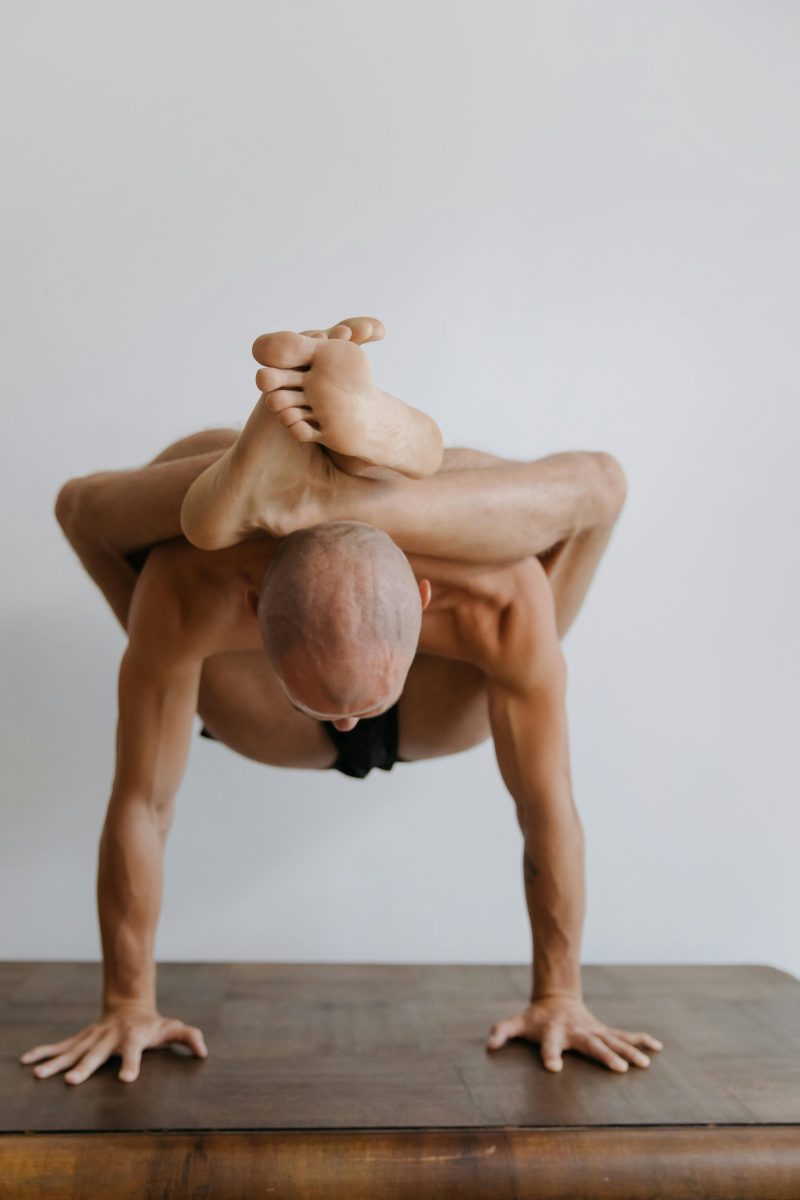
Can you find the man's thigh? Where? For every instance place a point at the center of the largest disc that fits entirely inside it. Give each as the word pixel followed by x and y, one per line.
pixel 443 709
pixel 243 705
pixel 202 442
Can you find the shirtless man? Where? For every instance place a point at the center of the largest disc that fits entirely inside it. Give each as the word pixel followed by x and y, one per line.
pixel 288 618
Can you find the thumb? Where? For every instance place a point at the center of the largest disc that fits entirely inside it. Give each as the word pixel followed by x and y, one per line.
pixel 500 1033
pixel 190 1035
pixel 197 1042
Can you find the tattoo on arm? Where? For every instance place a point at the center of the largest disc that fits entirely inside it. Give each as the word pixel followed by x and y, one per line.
pixel 529 868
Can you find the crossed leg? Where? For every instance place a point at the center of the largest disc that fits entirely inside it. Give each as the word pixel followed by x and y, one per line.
pixel 111 517
pixel 444 708
pixel 275 479
pixel 561 508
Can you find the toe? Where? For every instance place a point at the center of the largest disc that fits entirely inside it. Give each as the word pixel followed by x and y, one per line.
pixel 301 431
pixel 270 378
pixel 282 399
pixel 365 329
pixel 284 349
pixel 290 416
pixel 354 329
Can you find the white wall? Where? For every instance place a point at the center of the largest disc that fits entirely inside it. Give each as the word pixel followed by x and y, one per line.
pixel 579 222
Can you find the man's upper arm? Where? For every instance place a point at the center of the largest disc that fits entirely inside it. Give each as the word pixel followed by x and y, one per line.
pixel 159 679
pixel 527 694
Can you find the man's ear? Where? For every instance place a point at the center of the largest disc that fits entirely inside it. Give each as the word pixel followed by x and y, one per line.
pixel 425 592
pixel 252 601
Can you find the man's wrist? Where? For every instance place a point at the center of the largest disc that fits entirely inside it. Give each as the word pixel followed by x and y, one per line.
pixel 552 994
pixel 564 980
pixel 129 986
pixel 116 1003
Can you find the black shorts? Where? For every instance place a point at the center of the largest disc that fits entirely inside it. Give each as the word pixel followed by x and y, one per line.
pixel 373 743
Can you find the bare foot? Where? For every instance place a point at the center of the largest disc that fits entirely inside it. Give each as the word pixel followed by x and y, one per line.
pixel 317 391
pixel 268 481
pixel 357 329
pixel 320 387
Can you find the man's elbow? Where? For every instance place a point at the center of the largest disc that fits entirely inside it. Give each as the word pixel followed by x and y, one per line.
pixel 79 505
pixel 66 505
pixel 611 485
pixel 141 807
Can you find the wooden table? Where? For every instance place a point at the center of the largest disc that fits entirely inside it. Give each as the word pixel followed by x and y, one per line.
pixel 373 1081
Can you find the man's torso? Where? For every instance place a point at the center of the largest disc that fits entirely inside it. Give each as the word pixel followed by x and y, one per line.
pixel 443 708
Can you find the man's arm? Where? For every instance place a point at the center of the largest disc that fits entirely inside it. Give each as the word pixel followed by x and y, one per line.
pixel 530 737
pixel 158 684
pixel 529 725
pixel 157 702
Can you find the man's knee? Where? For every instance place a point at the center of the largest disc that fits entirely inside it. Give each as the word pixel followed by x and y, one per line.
pixel 66 506
pixel 77 505
pixel 612 486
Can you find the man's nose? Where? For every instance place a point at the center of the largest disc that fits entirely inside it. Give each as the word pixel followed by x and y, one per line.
pixel 345 724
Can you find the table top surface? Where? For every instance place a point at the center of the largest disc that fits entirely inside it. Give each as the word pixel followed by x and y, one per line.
pixel 333 1047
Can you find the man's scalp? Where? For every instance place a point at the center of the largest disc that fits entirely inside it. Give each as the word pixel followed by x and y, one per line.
pixel 341 596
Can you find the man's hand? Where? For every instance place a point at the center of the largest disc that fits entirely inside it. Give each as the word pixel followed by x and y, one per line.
pixel 562 1022
pixel 122 1030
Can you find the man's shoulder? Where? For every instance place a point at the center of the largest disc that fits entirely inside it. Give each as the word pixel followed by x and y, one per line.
pixel 193 601
pixel 178 560
pixel 485 615
pixel 506 620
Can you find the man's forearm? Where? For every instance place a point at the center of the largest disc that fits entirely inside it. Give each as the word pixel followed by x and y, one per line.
pixel 529 724
pixel 553 869
pixel 129 889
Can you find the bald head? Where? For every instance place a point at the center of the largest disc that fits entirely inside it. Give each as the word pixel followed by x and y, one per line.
pixel 340 614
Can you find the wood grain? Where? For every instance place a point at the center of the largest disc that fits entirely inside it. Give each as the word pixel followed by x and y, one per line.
pixel 559 1164
pixel 355 1081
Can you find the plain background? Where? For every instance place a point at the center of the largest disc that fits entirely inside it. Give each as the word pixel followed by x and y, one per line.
pixel 579 223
